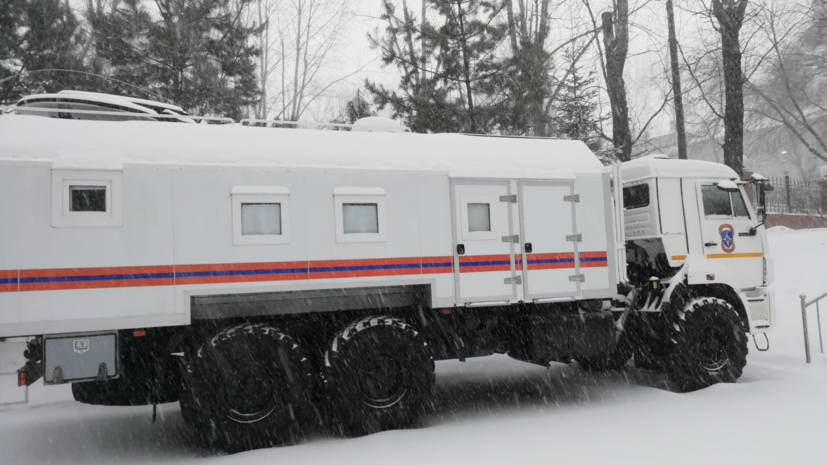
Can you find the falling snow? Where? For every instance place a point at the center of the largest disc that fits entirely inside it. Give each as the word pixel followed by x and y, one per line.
pixel 500 411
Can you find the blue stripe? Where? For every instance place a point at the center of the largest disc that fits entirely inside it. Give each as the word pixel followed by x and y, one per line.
pixel 105 277
pixel 199 274
pixel 362 268
pixel 436 265
pixel 593 259
pixel 552 260
pixel 8 281
pixel 485 263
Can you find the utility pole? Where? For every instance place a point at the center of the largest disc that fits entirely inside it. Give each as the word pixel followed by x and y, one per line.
pixel 676 82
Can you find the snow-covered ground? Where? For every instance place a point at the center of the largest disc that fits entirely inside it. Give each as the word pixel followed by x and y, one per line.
pixel 499 411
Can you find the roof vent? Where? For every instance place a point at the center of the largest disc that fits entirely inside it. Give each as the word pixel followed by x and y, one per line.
pixel 378 124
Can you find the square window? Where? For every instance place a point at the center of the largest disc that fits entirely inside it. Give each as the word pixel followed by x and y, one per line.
pixel 87 198
pixel 260 219
pixel 261 215
pixel 479 217
pixel 360 214
pixel 361 218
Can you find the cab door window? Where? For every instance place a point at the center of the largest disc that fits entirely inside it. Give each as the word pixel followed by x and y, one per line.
pixel 722 204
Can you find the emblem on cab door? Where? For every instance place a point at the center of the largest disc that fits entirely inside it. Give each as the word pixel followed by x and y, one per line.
pixel 80 346
pixel 727 233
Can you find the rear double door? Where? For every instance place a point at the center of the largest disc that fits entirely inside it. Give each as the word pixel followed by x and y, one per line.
pixel 514 241
pixel 550 260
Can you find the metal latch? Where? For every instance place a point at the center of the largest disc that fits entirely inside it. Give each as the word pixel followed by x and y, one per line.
pixel 509 198
pixel 574 238
pixel 515 238
pixel 577 278
pixel 514 280
pixel 571 198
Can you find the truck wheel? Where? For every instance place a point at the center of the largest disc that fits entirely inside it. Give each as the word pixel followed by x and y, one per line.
pixel 378 375
pixel 709 345
pixel 612 361
pixel 249 386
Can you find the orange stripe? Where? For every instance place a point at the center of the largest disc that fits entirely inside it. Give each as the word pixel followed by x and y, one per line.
pixel 678 258
pixel 735 255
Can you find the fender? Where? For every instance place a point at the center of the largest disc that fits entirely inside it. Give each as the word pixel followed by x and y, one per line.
pixel 701 270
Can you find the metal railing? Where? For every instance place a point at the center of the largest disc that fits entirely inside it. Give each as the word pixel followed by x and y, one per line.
pixel 795 196
pixel 804 304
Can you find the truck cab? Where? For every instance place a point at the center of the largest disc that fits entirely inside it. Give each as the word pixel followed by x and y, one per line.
pixel 697 217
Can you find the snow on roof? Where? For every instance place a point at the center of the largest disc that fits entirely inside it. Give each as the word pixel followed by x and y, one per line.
pixel 134 100
pixel 64 141
pixel 91 98
pixel 647 167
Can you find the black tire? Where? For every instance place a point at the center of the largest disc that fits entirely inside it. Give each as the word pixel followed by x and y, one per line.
pixel 249 386
pixel 612 361
pixel 378 375
pixel 709 345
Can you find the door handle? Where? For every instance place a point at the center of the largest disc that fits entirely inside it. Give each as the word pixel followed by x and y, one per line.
pixel 710 244
pixel 460 249
pixel 528 247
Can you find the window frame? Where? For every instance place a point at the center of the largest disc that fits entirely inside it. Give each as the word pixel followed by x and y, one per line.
pixel 62 214
pixel 467 234
pixel 257 195
pixel 731 216
pixel 636 186
pixel 364 195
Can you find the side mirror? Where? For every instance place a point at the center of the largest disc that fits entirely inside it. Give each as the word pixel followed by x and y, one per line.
pixel 728 186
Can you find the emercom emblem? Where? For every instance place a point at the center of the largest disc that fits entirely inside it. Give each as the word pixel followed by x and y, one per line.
pixel 727 233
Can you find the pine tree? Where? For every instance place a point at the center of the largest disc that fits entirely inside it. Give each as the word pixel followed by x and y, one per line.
pixel 196 53
pixel 466 41
pixel 41 46
pixel 576 115
pixel 448 68
pixel 357 108
pixel 423 96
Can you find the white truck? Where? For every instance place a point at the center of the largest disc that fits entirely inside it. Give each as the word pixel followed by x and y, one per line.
pixel 275 280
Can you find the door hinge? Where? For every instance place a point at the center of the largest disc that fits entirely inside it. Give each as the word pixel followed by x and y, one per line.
pixel 574 238
pixel 514 280
pixel 577 278
pixel 509 198
pixel 515 238
pixel 571 198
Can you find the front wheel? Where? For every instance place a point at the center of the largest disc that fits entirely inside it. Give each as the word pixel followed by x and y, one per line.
pixel 709 345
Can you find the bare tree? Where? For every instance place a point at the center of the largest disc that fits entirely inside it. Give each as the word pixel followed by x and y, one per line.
pixel 730 17
pixel 677 93
pixel 615 26
pixel 793 88
pixel 299 40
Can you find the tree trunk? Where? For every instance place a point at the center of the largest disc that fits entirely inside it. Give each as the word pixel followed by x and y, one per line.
pixel 730 17
pixel 472 123
pixel 680 125
pixel 616 43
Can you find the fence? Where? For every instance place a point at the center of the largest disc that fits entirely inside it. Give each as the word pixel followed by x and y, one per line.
pixel 796 196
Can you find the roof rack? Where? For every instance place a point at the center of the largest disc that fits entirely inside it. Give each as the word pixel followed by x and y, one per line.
pixel 277 123
pixel 68 112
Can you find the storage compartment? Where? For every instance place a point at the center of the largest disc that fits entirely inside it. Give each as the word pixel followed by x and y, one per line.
pixel 565 336
pixel 80 357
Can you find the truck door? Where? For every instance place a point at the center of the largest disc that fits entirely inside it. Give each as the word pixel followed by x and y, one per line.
pixel 725 230
pixel 550 259
pixel 484 241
